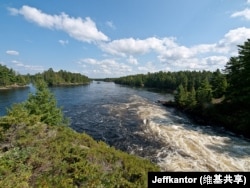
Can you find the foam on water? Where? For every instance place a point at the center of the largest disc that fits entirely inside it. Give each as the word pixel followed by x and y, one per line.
pixel 186 147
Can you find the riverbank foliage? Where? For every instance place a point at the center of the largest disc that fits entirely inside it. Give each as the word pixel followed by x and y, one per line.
pixel 10 78
pixel 219 98
pixel 38 149
pixel 61 77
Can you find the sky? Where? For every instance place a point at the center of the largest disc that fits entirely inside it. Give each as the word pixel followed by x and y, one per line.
pixel 112 38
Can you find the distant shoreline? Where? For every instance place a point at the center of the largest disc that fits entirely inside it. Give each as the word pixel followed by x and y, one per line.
pixel 14 86
pixel 69 84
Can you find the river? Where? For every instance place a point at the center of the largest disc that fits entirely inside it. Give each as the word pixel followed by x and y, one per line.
pixel 130 120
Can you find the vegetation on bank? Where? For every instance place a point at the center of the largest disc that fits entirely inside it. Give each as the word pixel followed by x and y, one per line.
pixel 10 78
pixel 61 77
pixel 214 97
pixel 38 149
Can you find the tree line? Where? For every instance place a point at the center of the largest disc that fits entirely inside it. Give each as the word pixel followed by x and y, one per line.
pixel 8 77
pixel 61 77
pixel 185 84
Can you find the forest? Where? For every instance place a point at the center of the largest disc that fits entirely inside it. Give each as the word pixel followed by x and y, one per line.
pixel 10 78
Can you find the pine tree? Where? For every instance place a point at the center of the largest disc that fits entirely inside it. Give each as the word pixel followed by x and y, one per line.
pixel 219 84
pixel 191 99
pixel 181 96
pixel 204 93
pixel 238 75
pixel 43 104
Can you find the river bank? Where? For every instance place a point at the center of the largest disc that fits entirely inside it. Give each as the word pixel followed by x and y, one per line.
pixel 13 86
pixel 225 115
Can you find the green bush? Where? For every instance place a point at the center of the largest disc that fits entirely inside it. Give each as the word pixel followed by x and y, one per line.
pixel 56 156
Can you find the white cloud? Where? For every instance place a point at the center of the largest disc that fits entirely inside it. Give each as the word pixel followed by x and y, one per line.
pixel 237 36
pixel 105 67
pixel 131 46
pixel 168 48
pixel 84 30
pixel 178 57
pixel 165 52
pixel 132 60
pixel 124 47
pixel 12 52
pixel 63 42
pixel 234 37
pixel 149 67
pixel 13 11
pixel 244 13
pixel 21 65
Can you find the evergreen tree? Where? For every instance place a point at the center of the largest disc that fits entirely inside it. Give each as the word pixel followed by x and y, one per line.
pixel 43 104
pixel 238 75
pixel 219 84
pixel 204 93
pixel 191 99
pixel 181 96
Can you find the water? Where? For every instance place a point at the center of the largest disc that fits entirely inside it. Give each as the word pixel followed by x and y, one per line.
pixel 10 96
pixel 130 120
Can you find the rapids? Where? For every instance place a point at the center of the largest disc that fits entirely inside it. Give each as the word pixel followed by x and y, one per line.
pixel 129 119
pixel 182 145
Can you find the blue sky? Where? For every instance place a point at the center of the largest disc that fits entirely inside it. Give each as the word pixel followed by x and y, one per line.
pixel 111 38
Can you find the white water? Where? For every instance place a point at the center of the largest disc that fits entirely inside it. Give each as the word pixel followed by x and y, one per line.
pixel 128 119
pixel 187 147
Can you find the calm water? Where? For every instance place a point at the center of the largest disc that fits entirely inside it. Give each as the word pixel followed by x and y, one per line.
pixel 130 120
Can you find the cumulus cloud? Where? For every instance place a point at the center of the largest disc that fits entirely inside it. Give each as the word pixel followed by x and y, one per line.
pixel 165 52
pixel 84 30
pixel 105 67
pixel 123 47
pixel 149 67
pixel 12 52
pixel 131 46
pixel 228 44
pixel 176 56
pixel 244 13
pixel 132 60
pixel 168 48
